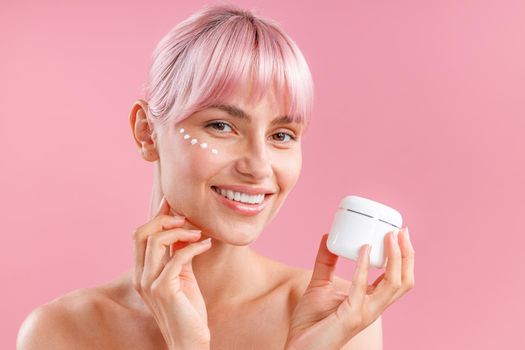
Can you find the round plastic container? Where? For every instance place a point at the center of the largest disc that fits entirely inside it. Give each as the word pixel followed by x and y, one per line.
pixel 360 221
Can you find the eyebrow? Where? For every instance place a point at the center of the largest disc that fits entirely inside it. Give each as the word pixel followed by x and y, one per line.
pixel 235 111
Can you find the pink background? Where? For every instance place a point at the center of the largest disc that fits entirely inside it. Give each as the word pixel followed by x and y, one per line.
pixel 419 105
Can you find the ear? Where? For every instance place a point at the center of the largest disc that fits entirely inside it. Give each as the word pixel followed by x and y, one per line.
pixel 143 132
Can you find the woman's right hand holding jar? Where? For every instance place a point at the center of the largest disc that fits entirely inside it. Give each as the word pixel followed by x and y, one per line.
pixel 168 286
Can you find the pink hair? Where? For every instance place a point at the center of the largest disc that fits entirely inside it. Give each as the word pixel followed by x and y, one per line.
pixel 203 59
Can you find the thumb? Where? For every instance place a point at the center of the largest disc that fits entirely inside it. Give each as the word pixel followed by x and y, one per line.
pixel 324 264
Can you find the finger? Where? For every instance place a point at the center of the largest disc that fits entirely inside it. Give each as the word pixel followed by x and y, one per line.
pixel 158 223
pixel 357 293
pixel 324 264
pixel 161 221
pixel 164 207
pixel 168 279
pixel 140 236
pixel 351 307
pixel 391 282
pixel 156 250
pixel 408 258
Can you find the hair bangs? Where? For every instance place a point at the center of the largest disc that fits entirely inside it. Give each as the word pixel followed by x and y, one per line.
pixel 208 57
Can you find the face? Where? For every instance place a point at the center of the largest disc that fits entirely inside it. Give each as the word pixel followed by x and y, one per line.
pixel 252 155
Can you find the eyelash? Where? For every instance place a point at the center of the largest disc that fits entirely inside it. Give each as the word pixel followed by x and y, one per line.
pixel 221 122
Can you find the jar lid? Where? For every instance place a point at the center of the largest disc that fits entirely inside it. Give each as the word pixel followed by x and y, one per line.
pixel 372 209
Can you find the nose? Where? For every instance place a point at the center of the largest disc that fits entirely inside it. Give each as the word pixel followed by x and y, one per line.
pixel 254 161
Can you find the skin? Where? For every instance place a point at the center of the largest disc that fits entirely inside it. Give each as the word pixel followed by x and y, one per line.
pixel 181 294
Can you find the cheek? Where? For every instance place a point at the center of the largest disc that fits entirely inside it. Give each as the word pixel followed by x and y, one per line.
pixel 186 168
pixel 288 170
pixel 200 162
pixel 200 157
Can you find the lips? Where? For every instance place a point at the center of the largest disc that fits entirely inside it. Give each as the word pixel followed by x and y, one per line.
pixel 242 208
pixel 221 191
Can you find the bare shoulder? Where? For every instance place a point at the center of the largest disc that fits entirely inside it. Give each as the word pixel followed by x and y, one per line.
pixel 64 323
pixel 369 338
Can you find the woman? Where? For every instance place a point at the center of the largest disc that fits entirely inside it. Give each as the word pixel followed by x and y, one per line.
pixel 228 101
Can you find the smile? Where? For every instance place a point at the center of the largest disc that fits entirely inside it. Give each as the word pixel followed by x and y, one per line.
pixel 239 196
pixel 241 203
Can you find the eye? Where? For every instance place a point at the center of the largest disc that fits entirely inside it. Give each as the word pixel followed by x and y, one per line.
pixel 220 125
pixel 284 134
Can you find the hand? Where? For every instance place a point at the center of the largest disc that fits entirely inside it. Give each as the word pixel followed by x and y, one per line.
pixel 167 284
pixel 325 318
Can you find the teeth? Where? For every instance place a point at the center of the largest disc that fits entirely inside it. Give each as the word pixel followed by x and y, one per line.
pixel 246 198
pixel 237 196
pixel 240 197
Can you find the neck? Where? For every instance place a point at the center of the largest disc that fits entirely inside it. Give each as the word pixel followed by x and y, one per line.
pixel 228 275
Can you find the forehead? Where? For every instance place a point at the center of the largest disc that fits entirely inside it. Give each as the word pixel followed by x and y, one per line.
pixel 243 103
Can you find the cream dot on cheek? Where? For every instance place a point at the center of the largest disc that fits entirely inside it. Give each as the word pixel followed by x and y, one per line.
pixel 194 141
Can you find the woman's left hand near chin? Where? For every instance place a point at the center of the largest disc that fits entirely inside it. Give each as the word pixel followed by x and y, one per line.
pixel 327 319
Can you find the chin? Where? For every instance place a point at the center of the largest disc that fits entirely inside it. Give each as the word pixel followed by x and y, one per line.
pixel 242 237
pixel 235 236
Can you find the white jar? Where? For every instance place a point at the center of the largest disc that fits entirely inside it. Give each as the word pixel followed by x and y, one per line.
pixel 360 221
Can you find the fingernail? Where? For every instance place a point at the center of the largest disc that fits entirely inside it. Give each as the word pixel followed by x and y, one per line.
pixel 161 202
pixel 206 241
pixel 366 255
pixel 408 234
pixel 196 232
pixel 366 250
